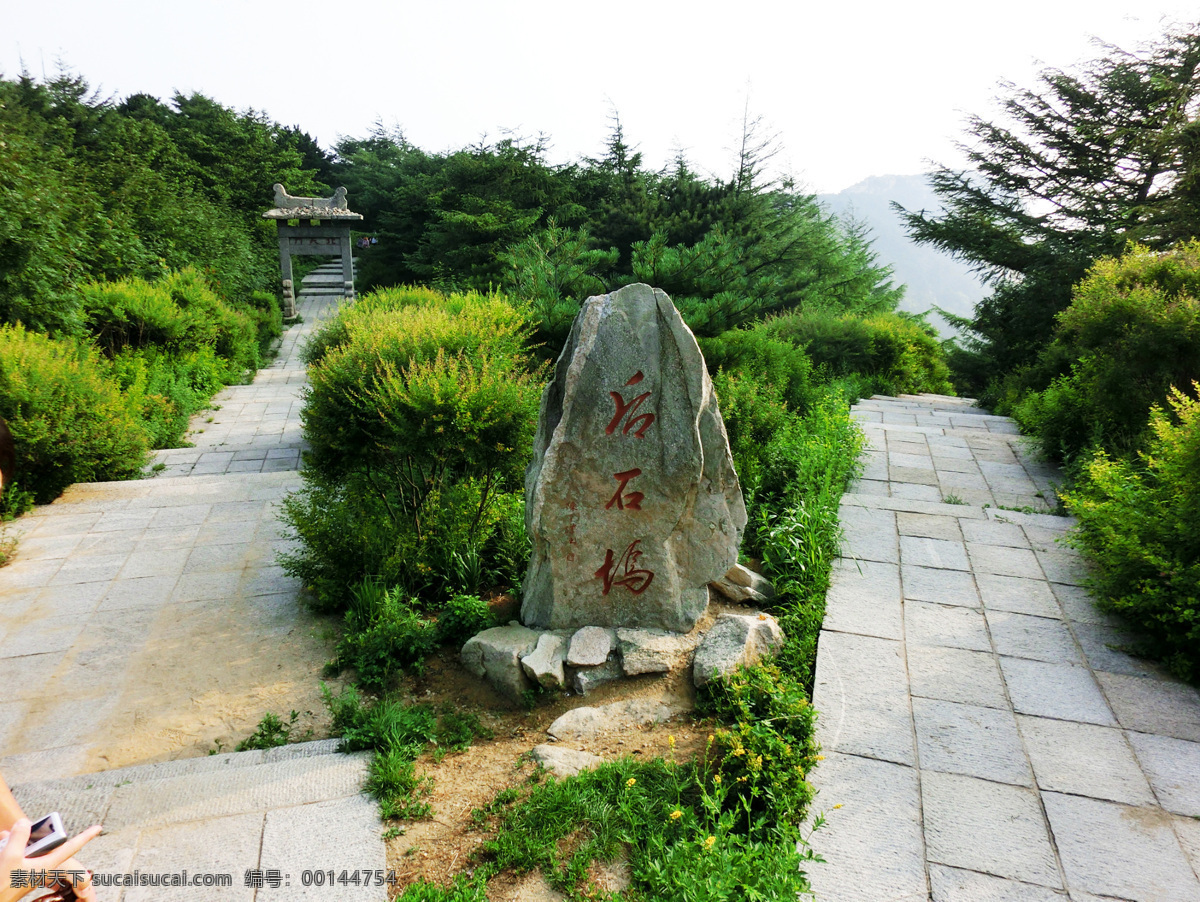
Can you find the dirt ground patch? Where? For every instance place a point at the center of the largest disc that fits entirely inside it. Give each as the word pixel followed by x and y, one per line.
pixel 437 848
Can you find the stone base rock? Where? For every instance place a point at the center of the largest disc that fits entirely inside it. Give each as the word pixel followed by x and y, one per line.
pixel 587 723
pixel 495 655
pixel 565 762
pixel 653 651
pixel 741 585
pixel 588 678
pixel 590 646
pixel 735 639
pixel 545 664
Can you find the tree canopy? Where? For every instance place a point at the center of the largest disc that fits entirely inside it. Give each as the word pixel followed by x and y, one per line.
pixel 1078 166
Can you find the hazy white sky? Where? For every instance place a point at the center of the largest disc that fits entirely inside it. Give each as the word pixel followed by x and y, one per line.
pixel 853 88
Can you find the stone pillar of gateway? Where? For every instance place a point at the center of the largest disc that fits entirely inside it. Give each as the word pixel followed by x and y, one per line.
pixel 312 225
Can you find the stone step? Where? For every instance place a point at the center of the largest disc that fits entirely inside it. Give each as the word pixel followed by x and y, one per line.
pixel 86 799
pixel 292 809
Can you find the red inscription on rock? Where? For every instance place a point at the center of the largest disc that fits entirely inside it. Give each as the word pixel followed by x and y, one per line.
pixel 627 409
pixel 623 572
pixel 633 500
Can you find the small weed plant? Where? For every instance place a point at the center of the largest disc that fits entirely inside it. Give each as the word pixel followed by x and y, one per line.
pixel 273 731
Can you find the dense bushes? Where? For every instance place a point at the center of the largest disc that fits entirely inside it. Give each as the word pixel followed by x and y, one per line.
pixel 420 416
pixel 1131 333
pixel 899 354
pixel 149 356
pixel 1138 521
pixel 175 342
pixel 70 422
pixel 1110 396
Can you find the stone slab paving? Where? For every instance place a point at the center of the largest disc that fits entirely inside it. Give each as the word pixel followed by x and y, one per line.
pixel 253 428
pixel 984 736
pixel 121 597
pixel 293 810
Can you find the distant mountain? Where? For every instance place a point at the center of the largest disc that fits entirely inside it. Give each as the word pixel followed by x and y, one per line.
pixel 932 277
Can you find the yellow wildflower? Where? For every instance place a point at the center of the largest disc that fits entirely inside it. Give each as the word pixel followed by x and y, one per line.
pixel 838 805
pixel 717 779
pixel 671 741
pixel 630 781
pixel 708 843
pixel 676 814
pixel 820 757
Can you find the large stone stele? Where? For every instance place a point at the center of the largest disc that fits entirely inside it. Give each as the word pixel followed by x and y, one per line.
pixel 632 501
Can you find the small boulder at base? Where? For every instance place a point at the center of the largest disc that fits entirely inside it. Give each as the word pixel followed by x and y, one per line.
pixel 544 665
pixel 565 762
pixel 741 584
pixel 588 722
pixel 735 639
pixel 631 500
pixel 495 655
pixel 652 651
pixel 588 678
pixel 591 646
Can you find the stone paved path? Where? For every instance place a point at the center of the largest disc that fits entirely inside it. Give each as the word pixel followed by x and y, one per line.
pixel 124 593
pixel 142 619
pixel 985 741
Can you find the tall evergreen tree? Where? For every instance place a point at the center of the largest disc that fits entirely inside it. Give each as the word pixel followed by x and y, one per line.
pixel 1081 165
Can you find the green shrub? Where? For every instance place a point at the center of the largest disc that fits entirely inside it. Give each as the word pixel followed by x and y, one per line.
pixel 424 391
pixel 1131 333
pixel 754 354
pixel 168 388
pixel 754 412
pixel 69 420
pixel 267 314
pixel 463 617
pixel 179 314
pixel 439 320
pixel 273 731
pixel 420 416
pixel 1138 525
pixel 900 353
pixel 768 747
pixel 384 634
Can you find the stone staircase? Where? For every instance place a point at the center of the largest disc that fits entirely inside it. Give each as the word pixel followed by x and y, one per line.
pixel 297 809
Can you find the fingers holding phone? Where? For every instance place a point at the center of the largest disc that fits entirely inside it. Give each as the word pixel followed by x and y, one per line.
pixel 45 849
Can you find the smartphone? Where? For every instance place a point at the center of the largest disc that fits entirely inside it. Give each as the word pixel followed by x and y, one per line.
pixel 45 836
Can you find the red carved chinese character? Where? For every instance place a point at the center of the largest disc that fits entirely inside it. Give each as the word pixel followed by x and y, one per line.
pixel 627 409
pixel 633 500
pixel 636 581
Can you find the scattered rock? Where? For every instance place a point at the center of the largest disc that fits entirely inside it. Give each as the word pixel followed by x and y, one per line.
pixel 733 640
pixel 565 762
pixel 495 655
pixel 632 502
pixel 651 651
pixel 544 665
pixel 588 678
pixel 591 646
pixel 741 585
pixel 588 722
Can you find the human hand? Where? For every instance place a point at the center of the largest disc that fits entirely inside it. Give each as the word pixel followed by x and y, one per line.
pixel 75 884
pixel 12 859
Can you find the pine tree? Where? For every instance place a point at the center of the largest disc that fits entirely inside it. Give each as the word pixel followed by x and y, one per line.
pixel 1081 165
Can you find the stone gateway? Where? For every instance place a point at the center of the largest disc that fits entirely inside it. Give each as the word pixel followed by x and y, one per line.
pixel 632 502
